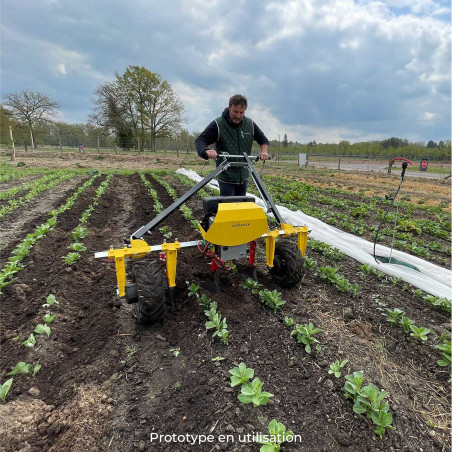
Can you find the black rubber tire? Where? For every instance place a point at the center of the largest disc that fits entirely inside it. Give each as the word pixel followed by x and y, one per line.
pixel 149 277
pixel 288 264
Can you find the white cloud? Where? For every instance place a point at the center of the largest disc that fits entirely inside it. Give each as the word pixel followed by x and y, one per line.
pixel 428 116
pixel 61 69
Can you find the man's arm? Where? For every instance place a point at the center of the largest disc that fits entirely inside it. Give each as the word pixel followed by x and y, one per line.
pixel 262 141
pixel 205 139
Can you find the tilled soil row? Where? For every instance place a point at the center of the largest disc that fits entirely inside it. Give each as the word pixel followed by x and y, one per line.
pixel 15 226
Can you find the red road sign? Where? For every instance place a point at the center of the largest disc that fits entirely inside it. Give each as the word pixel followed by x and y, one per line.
pixel 424 163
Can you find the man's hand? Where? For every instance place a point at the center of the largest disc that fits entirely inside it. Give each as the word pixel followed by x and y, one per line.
pixel 264 156
pixel 211 153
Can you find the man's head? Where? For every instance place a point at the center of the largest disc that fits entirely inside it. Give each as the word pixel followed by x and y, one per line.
pixel 237 107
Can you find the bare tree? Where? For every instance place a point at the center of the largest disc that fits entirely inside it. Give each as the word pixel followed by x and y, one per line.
pixel 31 108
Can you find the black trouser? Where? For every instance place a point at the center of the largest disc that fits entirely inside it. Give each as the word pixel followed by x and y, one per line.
pixel 227 189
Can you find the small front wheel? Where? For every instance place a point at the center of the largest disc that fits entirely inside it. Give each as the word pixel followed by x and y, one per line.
pixel 287 268
pixel 151 284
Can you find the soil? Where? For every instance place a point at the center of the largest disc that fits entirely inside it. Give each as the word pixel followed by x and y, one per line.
pixel 108 384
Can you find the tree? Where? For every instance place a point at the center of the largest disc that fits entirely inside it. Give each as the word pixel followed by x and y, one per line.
pixel 31 108
pixel 138 104
pixel 432 145
pixel 285 143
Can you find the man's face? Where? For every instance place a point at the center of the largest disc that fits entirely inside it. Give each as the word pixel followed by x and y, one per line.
pixel 236 113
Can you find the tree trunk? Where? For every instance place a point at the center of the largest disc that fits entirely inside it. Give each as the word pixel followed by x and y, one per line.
pixel 32 139
pixel 13 150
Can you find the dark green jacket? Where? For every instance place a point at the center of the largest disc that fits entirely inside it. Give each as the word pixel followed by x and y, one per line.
pixel 231 138
pixel 234 141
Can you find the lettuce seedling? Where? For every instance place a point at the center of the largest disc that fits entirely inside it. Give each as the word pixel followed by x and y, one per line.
pixel 353 384
pixel 205 301
pixel 30 342
pixel 50 301
pixel 272 299
pixel 304 335
pixel 445 347
pixel 41 329
pixel 335 368
pixel 393 315
pixel 277 436
pixel 193 290
pixel 419 332
pixel 383 420
pixel 25 368
pixel 406 322
pixel 252 393
pixel 252 285
pixel 4 389
pixel 77 246
pixel 288 321
pixel 79 233
pixel 71 258
pixel 240 375
pixel 48 318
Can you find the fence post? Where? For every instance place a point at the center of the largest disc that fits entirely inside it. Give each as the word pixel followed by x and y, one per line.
pixel 339 164
pixel 13 150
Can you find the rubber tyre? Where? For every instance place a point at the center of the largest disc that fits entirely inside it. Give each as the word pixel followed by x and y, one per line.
pixel 288 264
pixel 149 277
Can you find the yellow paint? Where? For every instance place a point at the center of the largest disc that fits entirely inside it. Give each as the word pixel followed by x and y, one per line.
pixel 171 261
pixel 236 224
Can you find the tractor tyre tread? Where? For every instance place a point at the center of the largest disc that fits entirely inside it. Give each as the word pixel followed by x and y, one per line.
pixel 151 287
pixel 288 265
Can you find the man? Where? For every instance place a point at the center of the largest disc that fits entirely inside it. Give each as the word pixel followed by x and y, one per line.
pixel 232 133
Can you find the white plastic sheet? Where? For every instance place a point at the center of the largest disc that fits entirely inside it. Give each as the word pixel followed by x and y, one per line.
pixel 431 278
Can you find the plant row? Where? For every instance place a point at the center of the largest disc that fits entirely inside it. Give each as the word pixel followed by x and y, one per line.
pixel 23 249
pixel 79 232
pixel 39 186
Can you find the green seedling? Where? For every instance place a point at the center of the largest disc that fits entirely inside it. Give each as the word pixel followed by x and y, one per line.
pixel 252 393
pixel 304 335
pixel 79 233
pixel 395 280
pixel 41 329
pixel 25 368
pixel 310 263
pixel 252 285
pixel 406 322
pixel 272 299
pixel 383 420
pixel 353 384
pixel 77 246
pixel 71 258
pixel 193 290
pixel 48 318
pixel 418 292
pixel 166 232
pixel 175 351
pixel 393 315
pixel 335 368
pixel 218 358
pixel 445 348
pixel 30 342
pixel 131 350
pixel 50 301
pixel 4 389
pixel 277 435
pixel 241 374
pixel 205 301
pixel 289 321
pixel 419 332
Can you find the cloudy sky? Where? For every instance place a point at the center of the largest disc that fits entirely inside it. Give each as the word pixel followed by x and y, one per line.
pixel 314 69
